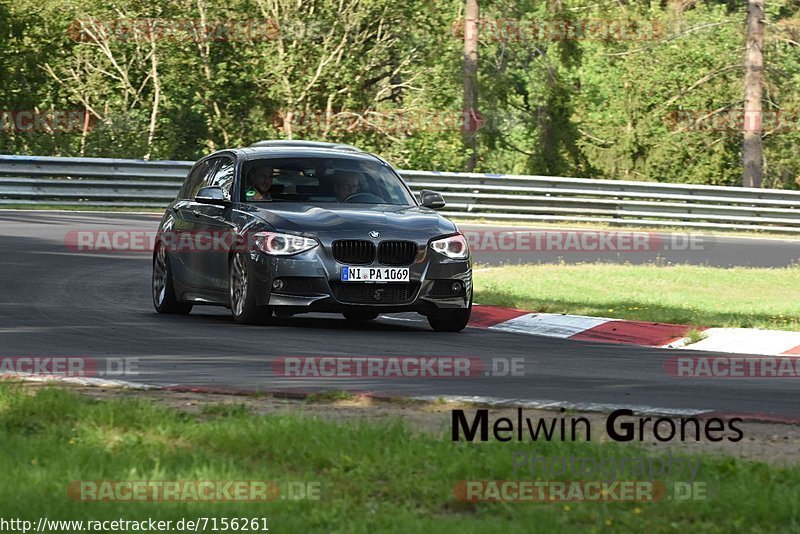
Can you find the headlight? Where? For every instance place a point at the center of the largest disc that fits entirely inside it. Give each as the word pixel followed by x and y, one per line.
pixel 454 247
pixel 277 244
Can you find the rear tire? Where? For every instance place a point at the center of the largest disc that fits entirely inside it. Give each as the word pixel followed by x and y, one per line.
pixel 243 295
pixel 360 315
pixel 450 320
pixel 163 288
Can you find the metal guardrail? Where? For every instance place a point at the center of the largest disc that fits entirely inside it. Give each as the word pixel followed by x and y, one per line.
pixel 100 182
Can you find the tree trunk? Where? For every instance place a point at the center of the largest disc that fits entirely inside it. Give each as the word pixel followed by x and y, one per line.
pixel 469 129
pixel 753 149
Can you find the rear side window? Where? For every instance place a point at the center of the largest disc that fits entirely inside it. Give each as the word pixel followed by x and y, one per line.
pixel 198 178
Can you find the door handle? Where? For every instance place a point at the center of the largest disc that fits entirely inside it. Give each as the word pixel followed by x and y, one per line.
pixel 196 213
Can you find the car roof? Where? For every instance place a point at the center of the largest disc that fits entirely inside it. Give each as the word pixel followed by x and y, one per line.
pixel 281 143
pixel 251 152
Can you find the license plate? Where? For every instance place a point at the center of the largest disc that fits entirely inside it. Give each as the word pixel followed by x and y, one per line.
pixel 374 274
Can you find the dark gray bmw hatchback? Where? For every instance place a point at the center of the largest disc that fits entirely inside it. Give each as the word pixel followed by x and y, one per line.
pixel 293 227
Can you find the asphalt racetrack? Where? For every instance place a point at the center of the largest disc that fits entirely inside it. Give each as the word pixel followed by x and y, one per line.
pixel 59 302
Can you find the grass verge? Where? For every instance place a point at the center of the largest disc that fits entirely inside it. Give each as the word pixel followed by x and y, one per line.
pixel 373 476
pixel 681 294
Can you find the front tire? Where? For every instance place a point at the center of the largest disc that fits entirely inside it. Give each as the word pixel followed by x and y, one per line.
pixel 164 298
pixel 450 320
pixel 243 295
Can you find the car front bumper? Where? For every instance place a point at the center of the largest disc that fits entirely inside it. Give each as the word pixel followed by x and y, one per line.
pixel 312 284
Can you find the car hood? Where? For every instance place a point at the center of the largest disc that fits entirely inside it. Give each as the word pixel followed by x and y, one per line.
pixel 349 222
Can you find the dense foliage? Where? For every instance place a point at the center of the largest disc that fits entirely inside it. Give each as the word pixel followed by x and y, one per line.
pixel 386 76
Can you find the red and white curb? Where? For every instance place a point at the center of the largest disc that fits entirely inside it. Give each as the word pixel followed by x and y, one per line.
pixel 605 330
pixel 749 341
pixel 599 329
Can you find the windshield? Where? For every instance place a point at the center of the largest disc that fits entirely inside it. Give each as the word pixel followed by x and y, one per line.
pixel 322 179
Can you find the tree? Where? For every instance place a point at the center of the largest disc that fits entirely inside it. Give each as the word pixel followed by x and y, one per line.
pixel 469 131
pixel 753 149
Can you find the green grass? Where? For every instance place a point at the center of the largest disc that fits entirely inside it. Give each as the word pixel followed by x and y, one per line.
pixel 682 294
pixel 374 476
pixel 332 395
pixel 695 336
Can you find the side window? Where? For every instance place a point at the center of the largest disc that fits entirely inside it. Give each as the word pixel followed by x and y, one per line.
pixel 198 178
pixel 223 177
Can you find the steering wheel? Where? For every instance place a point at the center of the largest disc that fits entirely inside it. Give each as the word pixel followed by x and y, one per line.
pixel 367 198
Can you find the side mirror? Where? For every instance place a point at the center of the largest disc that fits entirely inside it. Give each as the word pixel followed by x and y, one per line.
pixel 211 195
pixel 431 199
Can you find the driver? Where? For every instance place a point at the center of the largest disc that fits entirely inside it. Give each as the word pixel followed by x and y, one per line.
pixel 261 181
pixel 346 185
